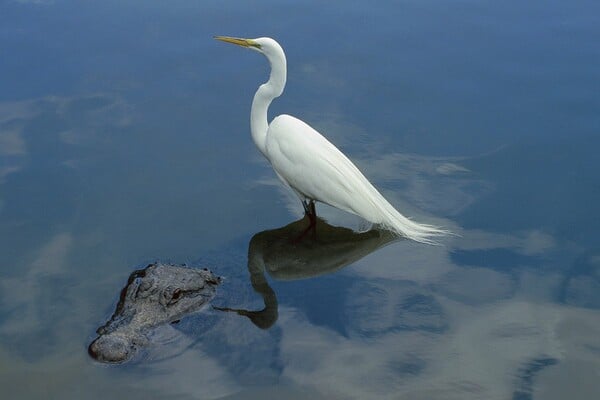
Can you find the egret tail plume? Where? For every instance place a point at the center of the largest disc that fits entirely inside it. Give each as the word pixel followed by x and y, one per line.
pixel 380 211
pixel 403 226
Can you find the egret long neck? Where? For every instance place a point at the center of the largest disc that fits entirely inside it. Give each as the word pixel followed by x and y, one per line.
pixel 263 98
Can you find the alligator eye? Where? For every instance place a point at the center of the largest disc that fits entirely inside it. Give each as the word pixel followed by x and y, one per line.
pixel 176 295
pixel 170 296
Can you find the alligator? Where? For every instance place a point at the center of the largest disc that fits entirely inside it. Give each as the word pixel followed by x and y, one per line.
pixel 156 295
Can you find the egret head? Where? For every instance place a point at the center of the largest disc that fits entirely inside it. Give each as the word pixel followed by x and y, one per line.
pixel 252 44
pixel 267 46
pixel 274 53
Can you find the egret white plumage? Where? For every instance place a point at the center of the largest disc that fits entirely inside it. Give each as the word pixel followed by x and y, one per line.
pixel 309 164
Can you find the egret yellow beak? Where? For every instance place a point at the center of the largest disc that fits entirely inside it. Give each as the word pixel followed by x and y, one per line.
pixel 238 41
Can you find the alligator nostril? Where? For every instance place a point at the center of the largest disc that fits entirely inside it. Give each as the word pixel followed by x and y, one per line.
pixel 92 350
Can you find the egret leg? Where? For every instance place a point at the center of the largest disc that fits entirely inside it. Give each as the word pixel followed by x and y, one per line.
pixel 306 206
pixel 313 211
pixel 310 212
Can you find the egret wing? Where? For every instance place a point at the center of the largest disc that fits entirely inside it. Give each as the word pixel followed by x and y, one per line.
pixel 313 166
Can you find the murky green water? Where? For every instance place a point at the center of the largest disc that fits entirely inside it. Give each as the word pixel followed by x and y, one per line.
pixel 124 139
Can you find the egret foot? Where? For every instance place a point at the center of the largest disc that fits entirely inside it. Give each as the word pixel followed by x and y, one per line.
pixel 310 212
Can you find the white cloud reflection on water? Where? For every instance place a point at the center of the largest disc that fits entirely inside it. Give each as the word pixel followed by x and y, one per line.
pixel 505 332
pixel 482 337
pixel 485 354
pixel 495 330
pixel 418 323
pixel 12 144
pixel 496 318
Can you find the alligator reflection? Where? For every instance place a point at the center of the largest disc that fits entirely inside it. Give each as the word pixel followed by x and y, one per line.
pixel 288 253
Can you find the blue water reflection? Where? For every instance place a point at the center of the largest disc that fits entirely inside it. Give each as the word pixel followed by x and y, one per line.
pixel 124 139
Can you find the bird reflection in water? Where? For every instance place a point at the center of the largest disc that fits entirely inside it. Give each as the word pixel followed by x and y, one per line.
pixel 287 253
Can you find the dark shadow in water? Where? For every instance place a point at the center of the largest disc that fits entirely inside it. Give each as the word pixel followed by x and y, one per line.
pixel 288 253
pixel 527 375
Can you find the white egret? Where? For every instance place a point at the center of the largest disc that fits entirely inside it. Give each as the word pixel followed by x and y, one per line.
pixel 309 164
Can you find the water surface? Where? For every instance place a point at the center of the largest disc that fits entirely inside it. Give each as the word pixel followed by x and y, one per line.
pixel 124 139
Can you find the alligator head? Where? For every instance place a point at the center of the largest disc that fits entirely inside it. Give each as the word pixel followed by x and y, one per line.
pixel 156 295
